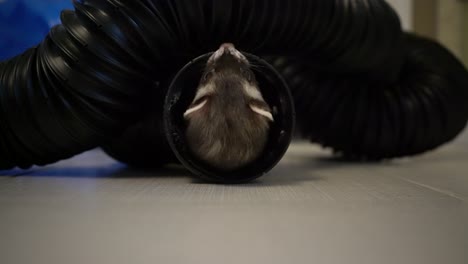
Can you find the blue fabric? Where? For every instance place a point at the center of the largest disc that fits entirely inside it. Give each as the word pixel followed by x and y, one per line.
pixel 25 23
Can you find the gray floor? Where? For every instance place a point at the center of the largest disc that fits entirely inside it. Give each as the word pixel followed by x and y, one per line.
pixel 309 209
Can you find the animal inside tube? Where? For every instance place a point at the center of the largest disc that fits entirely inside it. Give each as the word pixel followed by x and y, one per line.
pixel 233 120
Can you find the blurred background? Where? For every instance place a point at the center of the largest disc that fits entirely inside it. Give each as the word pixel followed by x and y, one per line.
pixel 444 20
pixel 24 23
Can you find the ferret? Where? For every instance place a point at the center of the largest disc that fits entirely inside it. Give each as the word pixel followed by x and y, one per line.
pixel 228 121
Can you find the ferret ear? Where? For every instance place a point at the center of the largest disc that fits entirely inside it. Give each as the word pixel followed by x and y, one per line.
pixel 262 109
pixel 195 107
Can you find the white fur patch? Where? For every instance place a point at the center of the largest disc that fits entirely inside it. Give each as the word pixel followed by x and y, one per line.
pixel 195 108
pixel 262 112
pixel 252 91
pixel 204 91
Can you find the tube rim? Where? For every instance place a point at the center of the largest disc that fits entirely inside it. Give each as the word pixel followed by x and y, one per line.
pixel 280 135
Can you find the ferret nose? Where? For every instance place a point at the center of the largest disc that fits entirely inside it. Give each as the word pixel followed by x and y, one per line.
pixel 227 46
pixel 227 49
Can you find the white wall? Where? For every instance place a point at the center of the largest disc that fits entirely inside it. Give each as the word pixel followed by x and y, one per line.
pixel 405 10
pixel 450 27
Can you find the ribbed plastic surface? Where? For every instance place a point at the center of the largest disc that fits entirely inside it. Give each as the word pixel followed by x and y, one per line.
pixel 362 118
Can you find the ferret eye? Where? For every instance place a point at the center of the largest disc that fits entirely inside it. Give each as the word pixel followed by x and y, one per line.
pixel 207 75
pixel 248 75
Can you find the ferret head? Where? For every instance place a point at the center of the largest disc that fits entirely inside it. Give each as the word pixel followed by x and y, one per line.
pixel 228 121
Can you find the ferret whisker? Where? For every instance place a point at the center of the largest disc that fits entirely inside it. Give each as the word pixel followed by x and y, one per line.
pixel 257 66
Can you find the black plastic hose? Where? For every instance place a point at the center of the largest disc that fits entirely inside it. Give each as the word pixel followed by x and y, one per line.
pixel 361 118
pixel 110 62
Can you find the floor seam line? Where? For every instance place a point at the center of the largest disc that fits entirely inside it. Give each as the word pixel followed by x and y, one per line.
pixel 435 189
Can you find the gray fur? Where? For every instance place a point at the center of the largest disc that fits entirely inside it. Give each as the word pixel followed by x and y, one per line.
pixel 226 133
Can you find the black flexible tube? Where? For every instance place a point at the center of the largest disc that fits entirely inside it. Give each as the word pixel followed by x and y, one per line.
pixel 362 118
pixel 91 77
